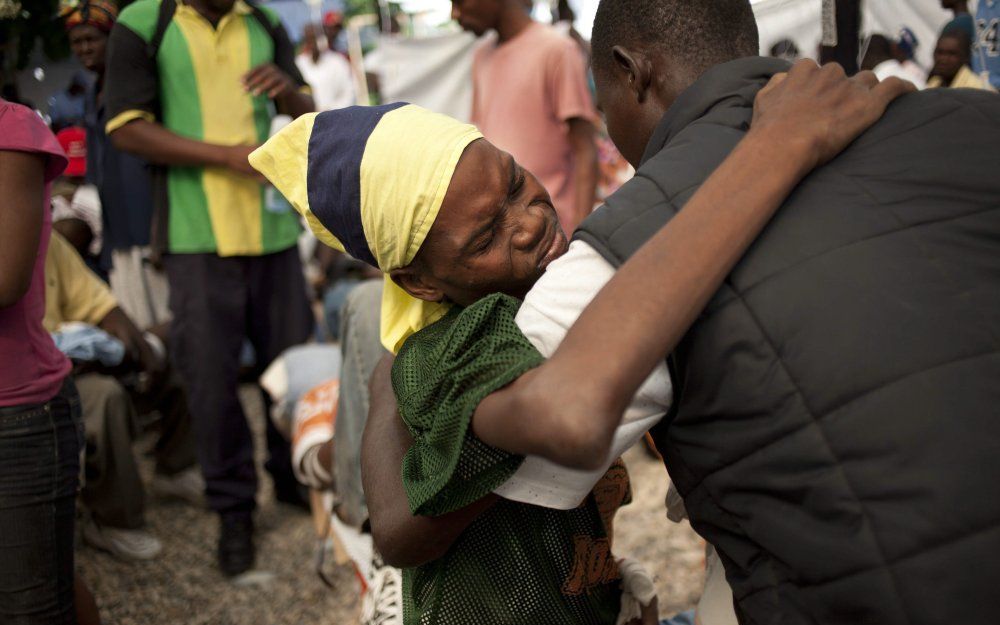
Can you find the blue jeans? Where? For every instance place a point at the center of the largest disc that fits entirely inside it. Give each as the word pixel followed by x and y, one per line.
pixel 39 477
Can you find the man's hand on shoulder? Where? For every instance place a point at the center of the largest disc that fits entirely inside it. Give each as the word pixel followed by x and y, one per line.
pixel 816 112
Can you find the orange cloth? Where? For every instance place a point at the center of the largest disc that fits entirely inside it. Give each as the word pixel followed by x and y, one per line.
pixel 524 92
pixel 97 13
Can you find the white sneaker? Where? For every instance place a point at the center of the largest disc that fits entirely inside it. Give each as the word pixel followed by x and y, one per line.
pixel 121 543
pixel 187 485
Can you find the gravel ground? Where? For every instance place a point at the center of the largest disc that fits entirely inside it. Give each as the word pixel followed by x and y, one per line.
pixel 183 586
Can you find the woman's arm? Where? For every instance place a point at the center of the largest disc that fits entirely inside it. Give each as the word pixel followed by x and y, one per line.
pixel 800 122
pixel 22 192
pixel 402 539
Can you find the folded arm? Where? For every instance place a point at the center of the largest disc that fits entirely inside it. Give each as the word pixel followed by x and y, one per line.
pixel 156 144
pixel 799 123
pixel 402 539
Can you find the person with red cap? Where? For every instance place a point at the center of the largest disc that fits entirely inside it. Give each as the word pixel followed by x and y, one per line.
pixel 327 71
pixel 333 25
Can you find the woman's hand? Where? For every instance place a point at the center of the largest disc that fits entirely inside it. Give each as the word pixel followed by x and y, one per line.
pixel 819 111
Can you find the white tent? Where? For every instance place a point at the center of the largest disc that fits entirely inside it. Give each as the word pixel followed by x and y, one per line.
pixel 434 72
pixel 799 20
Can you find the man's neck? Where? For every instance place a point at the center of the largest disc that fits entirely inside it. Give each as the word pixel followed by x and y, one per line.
pixel 513 22
pixel 206 11
pixel 961 8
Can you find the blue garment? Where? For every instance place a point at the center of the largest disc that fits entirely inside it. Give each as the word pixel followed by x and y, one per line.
pixel 684 618
pixel 965 23
pixel 306 367
pixel 123 181
pixel 333 303
pixel 986 52
pixel 66 109
pixel 83 342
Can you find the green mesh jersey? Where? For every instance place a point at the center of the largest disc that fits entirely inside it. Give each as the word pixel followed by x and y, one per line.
pixel 517 563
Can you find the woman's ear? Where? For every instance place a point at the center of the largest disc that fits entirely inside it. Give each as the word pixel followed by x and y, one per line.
pixel 413 282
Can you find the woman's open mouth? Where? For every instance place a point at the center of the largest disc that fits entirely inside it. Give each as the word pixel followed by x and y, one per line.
pixel 556 248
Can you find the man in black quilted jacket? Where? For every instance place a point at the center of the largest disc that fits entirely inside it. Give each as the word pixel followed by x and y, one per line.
pixel 836 425
pixel 835 419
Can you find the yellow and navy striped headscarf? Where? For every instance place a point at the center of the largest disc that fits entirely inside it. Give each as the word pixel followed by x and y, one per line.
pixel 370 182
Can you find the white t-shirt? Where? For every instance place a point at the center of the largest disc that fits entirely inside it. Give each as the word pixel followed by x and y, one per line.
pixel 330 78
pixel 893 67
pixel 550 309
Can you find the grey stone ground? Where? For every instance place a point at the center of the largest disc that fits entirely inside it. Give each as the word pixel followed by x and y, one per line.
pixel 183 586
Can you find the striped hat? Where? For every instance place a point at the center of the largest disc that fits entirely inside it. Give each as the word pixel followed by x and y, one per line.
pixel 370 182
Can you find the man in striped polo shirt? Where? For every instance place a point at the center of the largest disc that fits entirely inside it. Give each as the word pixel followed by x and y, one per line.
pixel 193 86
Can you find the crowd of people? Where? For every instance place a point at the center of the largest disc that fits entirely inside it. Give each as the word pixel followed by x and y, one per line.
pixel 795 298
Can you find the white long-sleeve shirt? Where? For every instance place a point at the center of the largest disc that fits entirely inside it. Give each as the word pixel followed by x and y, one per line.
pixel 550 309
pixel 330 79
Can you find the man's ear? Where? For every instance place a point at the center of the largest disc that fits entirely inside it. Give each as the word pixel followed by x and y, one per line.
pixel 635 68
pixel 411 281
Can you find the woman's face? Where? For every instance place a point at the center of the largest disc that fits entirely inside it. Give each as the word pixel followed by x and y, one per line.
pixel 496 232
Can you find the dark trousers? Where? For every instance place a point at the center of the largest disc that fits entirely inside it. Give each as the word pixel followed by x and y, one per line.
pixel 216 303
pixel 39 475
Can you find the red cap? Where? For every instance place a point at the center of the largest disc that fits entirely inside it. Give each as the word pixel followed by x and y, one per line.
pixel 74 142
pixel 333 18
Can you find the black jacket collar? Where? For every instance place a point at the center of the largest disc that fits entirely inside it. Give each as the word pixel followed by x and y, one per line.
pixel 740 79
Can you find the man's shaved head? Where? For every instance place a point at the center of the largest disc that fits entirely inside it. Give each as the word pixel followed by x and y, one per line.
pixel 702 33
pixel 647 52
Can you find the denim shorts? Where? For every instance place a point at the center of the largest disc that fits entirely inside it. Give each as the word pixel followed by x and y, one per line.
pixel 40 449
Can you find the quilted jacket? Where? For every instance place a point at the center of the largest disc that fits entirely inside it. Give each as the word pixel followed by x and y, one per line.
pixel 836 433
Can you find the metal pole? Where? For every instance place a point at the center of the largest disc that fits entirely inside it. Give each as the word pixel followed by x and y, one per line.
pixel 841 29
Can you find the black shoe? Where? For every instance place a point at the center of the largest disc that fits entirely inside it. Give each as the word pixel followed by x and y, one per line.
pixel 236 552
pixel 293 495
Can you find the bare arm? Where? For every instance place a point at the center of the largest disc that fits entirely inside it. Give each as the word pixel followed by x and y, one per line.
pixel 22 189
pixel 584 148
pixel 295 103
pixel 156 144
pixel 658 293
pixel 402 539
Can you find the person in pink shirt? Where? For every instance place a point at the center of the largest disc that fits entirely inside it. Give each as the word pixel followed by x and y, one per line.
pixel 531 99
pixel 40 429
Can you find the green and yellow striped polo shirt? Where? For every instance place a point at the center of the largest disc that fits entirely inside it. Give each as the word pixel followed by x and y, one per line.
pixel 193 89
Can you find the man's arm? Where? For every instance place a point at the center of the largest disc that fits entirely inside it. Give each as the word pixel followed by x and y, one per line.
pixel 584 149
pixel 282 80
pixel 653 299
pixel 156 144
pixel 86 298
pixel 403 540
pixel 131 96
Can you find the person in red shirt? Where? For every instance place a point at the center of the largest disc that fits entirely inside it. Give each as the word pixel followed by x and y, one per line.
pixel 531 98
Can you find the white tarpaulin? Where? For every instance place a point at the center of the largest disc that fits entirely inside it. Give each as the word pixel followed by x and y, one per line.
pixel 799 20
pixel 433 72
